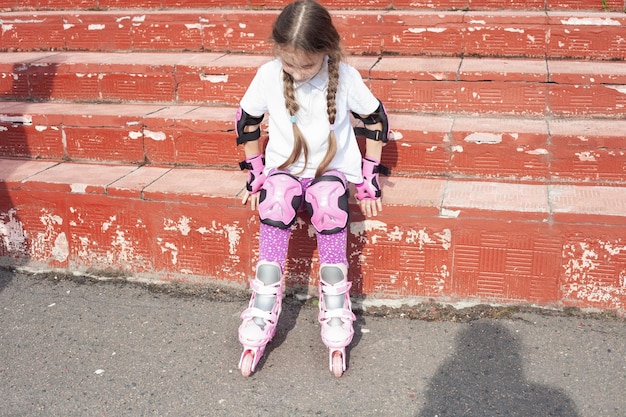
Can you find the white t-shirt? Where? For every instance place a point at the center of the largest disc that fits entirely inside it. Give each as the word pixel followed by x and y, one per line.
pixel 265 95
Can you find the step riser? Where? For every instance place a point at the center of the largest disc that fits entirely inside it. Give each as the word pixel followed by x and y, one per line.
pixel 531 150
pixel 612 5
pixel 524 94
pixel 404 253
pixel 499 34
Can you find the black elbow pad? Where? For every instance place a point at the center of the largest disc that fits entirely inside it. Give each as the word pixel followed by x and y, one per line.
pixel 242 120
pixel 379 116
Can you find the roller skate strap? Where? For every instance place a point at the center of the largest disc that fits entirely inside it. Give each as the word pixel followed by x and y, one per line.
pixel 338 313
pixel 253 312
pixel 260 288
pixel 337 289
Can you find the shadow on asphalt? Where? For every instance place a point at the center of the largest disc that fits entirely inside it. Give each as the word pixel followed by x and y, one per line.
pixel 484 377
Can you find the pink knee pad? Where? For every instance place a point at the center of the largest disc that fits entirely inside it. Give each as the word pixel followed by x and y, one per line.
pixel 280 199
pixel 327 203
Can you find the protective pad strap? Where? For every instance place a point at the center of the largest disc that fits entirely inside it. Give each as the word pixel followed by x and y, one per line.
pixel 242 120
pixel 256 177
pixel 280 199
pixel 327 203
pixel 379 116
pixel 370 187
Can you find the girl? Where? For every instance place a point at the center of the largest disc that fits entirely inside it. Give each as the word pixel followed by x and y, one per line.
pixel 311 155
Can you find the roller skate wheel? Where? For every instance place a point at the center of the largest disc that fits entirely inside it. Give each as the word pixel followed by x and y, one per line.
pixel 337 361
pixel 246 363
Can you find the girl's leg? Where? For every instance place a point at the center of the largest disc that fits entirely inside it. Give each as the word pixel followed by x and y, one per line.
pixel 335 308
pixel 260 319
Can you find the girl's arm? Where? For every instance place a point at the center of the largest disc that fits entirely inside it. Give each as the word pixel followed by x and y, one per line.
pixel 373 151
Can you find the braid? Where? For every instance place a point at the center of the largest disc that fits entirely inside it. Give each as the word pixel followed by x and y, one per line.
pixel 331 109
pixel 299 144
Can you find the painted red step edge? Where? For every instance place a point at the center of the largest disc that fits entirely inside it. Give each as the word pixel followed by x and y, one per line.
pixel 532 150
pixel 613 5
pixel 441 239
pixel 575 35
pixel 418 84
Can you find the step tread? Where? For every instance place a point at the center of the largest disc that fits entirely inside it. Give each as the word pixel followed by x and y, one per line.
pixel 616 5
pixel 401 67
pixel 529 149
pixel 561 34
pixel 443 197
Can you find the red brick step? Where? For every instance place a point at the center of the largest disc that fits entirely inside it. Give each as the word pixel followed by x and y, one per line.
pixel 523 87
pixel 612 5
pixel 447 239
pixel 501 33
pixel 545 150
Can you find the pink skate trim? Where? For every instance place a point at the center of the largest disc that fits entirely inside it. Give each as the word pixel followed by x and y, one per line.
pixel 327 203
pixel 329 334
pixel 280 198
pixel 251 336
pixel 330 357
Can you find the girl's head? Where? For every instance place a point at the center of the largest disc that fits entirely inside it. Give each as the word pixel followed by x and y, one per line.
pixel 305 28
pixel 304 35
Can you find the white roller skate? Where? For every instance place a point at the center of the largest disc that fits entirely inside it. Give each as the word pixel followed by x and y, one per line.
pixel 335 315
pixel 259 320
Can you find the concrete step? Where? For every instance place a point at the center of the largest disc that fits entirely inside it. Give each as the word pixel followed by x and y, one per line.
pixel 606 5
pixel 442 239
pixel 522 87
pixel 457 146
pixel 496 33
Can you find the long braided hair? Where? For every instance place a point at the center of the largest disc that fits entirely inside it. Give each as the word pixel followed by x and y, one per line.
pixel 306 26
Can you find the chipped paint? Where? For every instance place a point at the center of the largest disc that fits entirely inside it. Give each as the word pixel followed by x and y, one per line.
pixel 421 238
pixel 61 248
pixel 214 79
pixel 586 156
pixel 107 225
pixel 122 250
pixel 486 138
pixel 169 247
pixel 590 21
pixel 585 280
pixel 13 234
pixel 49 243
pixel 619 88
pixel 158 136
pixel 233 233
pixel 78 188
pixel 25 120
pixel 360 229
pixel 182 225
pixel 135 135
pixel 422 30
pixel 538 151
pixel 453 214
pixel 95 26
pixel 395 135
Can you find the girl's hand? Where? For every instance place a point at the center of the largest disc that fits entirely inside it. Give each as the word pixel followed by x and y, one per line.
pixel 252 197
pixel 370 207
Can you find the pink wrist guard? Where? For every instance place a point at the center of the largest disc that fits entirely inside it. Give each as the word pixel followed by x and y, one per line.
pixel 369 189
pixel 256 177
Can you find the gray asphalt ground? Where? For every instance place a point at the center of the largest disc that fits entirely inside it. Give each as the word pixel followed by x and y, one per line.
pixel 75 347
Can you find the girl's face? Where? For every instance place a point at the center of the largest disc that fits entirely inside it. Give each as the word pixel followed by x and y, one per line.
pixel 302 66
